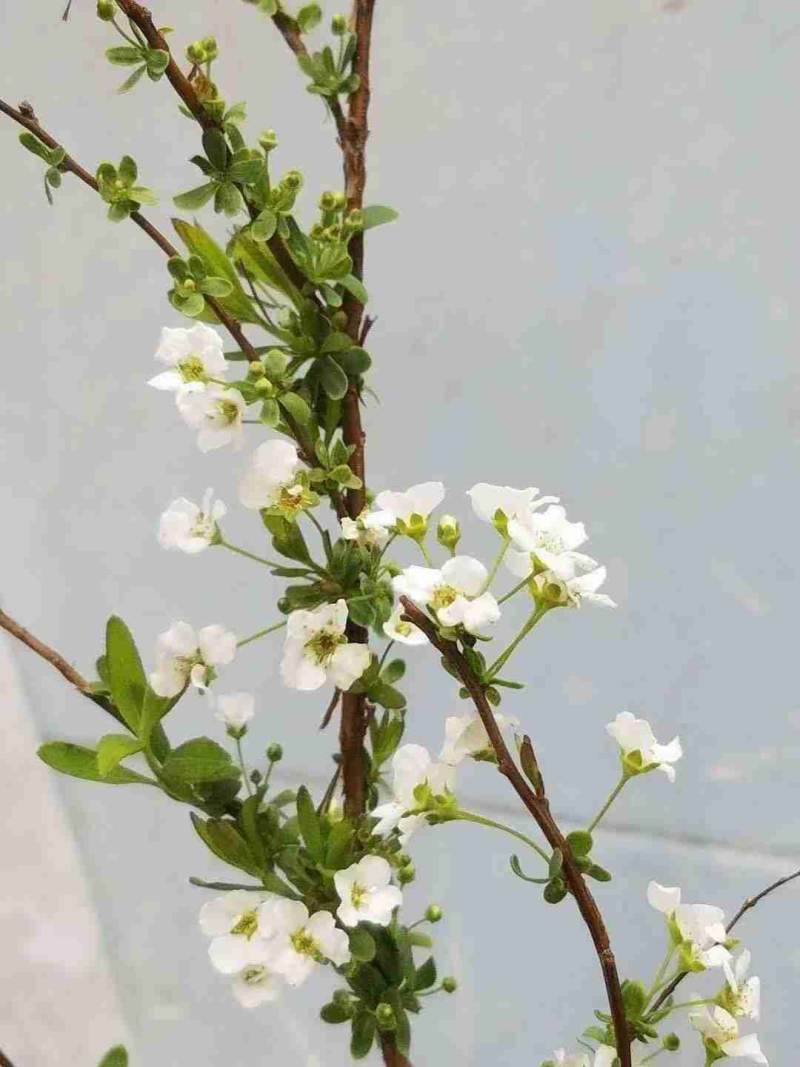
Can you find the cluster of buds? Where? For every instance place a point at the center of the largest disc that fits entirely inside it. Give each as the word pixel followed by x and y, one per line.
pixel 336 223
pixel 202 51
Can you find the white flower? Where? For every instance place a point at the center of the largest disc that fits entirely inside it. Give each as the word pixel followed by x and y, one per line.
pixel 369 529
pixel 701 927
pixel 547 540
pixel 640 750
pixel 465 735
pixel 606 1056
pixel 215 412
pixel 412 767
pixel 299 943
pixel 571 592
pixel 453 593
pixel 255 984
pixel 316 649
pixel 366 892
pixel 236 710
pixel 184 655
pixel 193 355
pixel 271 478
pixel 188 527
pixel 562 1058
pixel 487 500
pixel 418 500
pixel 404 632
pixel 743 995
pixel 719 1026
pixel 234 924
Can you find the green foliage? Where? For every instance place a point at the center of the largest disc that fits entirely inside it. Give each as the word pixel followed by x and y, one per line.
pixel 197 761
pixel 80 762
pixel 115 1057
pixel 331 75
pixel 204 250
pixel 228 173
pixel 138 54
pixel 52 157
pixel 117 186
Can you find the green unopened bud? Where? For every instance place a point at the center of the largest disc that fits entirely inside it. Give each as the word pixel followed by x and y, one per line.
pixel 327 201
pixel 342 998
pixel 256 777
pixel 196 53
pixel 275 753
pixel 268 139
pixel 317 231
pixel 671 1042
pixel 449 984
pixel 293 179
pixel 406 874
pixel 433 913
pixel 339 320
pixel 355 219
pixel 106 10
pixel 339 25
pixel 256 368
pixel 265 387
pixel 403 859
pixel 384 1014
pixel 211 47
pixel 448 532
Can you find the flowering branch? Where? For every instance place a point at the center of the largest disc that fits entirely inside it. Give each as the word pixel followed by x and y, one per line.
pixel 535 800
pixel 55 659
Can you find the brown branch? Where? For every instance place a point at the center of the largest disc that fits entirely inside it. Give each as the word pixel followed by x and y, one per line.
pixel 290 31
pixel 537 804
pixel 751 902
pixel 332 706
pixel 5 1061
pixel 54 658
pixel 392 1056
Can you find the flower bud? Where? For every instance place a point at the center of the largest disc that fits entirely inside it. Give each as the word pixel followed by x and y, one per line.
pixel 211 48
pixel 384 1014
pixel 339 25
pixel 449 984
pixel 341 998
pixel 671 1042
pixel 448 532
pixel 256 368
pixel 433 913
pixel 403 859
pixel 339 320
pixel 265 387
pixel 196 53
pixel 406 874
pixel 106 10
pixel 293 179
pixel 268 139
pixel 327 201
pixel 355 219
pixel 275 753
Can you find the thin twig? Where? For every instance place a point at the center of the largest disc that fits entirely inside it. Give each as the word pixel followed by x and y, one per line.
pixel 326 718
pixel 55 659
pixel 751 902
pixel 535 800
pixel 4 1060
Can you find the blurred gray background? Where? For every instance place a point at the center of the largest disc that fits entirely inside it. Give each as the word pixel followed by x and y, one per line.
pixel 590 290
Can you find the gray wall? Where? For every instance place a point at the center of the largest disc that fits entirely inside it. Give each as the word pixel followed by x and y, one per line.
pixel 591 289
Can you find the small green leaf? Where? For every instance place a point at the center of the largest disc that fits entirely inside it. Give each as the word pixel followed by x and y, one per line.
pixel 420 940
pixel 201 244
pixel 378 215
pixel 338 853
pixel 199 760
pixel 115 1057
pixel 362 1035
pixel 518 871
pixel 125 672
pixel 355 287
pixel 225 841
pixel 308 822
pixel 297 408
pixel 33 144
pixel 308 17
pixel 129 83
pixel 113 748
pixel 215 148
pixel 195 198
pixel 333 379
pixel 426 975
pixel 393 671
pixel 124 55
pixel 580 842
pixel 334 1013
pixel 80 762
pixel 362 945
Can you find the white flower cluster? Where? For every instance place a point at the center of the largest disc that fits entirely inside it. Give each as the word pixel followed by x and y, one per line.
pixel 263 940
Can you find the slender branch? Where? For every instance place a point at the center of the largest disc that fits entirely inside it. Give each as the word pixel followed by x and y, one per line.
pixel 289 30
pixel 392 1056
pixel 751 902
pixel 332 706
pixel 4 1060
pixel 537 804
pixel 55 659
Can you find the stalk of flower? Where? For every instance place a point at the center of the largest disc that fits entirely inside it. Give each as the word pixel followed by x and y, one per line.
pixel 317 649
pixel 185 656
pixel 191 528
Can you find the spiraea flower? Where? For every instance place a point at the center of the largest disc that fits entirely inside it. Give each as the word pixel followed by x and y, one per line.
pixel 235 711
pixel 640 750
pixel 256 984
pixel 189 527
pixel 465 736
pixel 499 504
pixel 571 592
pixel 408 511
pixel 192 355
pixel 299 942
pixel 455 593
pixel 317 649
pixel 370 529
pixel 720 1032
pixel 234 922
pixel 406 633
pixel 274 480
pixel 215 412
pixel 547 541
pixel 185 655
pixel 741 995
pixel 366 892
pixel 417 780
pixel 698 929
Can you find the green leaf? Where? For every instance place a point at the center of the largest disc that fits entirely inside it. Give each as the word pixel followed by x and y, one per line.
pixel 246 171
pixel 270 412
pixel 129 82
pixel 141 195
pixel 334 1013
pixel 355 361
pixel 128 171
pixel 33 144
pixel 420 940
pixel 338 853
pixel 228 200
pixel 201 244
pixel 80 762
pixel 362 1035
pixel 518 871
pixel 426 975
pixel 216 287
pixel 387 696
pixel 124 55
pixel 362 945
pixel 126 676
pixel 308 822
pixel 113 748
pixel 258 260
pixel 355 288
pixel 215 148
pixel 199 760
pixel 157 62
pixel 333 379
pixel 115 1057
pixel 309 16
pixel 263 226
pixel 225 841
pixel 600 874
pixel 378 215
pixel 393 671
pixel 556 863
pixel 297 407
pixel 580 842
pixel 195 198
pixel 287 538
